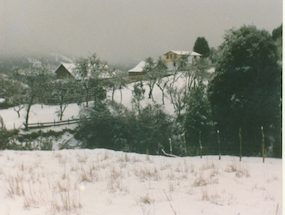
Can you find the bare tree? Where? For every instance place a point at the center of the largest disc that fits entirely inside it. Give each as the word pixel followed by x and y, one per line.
pixel 151 75
pixel 117 81
pixel 36 78
pixel 161 73
pixel 65 92
pixel 89 71
pixel 13 91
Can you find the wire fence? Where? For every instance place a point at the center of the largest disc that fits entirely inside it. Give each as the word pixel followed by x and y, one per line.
pixel 237 149
pixel 233 150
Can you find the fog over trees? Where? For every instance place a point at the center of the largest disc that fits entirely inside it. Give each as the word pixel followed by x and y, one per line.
pixel 124 32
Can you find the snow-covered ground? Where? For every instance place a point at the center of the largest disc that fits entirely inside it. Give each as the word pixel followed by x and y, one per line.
pixel 38 113
pixel 100 182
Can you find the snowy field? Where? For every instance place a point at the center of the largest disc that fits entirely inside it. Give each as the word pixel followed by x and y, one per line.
pixel 100 182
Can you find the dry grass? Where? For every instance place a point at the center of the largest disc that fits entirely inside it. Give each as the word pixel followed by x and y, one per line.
pixel 124 158
pixel 62 187
pixel 115 180
pixel 205 193
pixel 232 167
pixel 86 176
pixel 106 155
pixel 200 181
pixel 240 169
pixel 212 197
pixel 81 158
pixel 145 199
pixel 66 202
pixel 15 186
pixel 208 165
pixel 147 173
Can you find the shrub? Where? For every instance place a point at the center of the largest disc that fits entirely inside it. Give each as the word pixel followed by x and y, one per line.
pixel 113 126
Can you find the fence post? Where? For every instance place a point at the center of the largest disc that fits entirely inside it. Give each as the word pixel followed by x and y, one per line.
pixel 170 146
pixel 263 146
pixel 184 143
pixel 219 144
pixel 200 143
pixel 240 144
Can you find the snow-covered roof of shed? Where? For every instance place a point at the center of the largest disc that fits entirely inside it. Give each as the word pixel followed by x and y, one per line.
pixel 139 67
pixel 69 66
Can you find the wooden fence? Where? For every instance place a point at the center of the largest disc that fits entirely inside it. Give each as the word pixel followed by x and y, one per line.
pixel 51 124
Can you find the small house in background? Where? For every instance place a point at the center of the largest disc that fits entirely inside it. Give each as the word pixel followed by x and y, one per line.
pixel 65 71
pixel 137 70
pixel 172 57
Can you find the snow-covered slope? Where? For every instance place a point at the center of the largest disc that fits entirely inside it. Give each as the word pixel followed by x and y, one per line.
pixel 100 182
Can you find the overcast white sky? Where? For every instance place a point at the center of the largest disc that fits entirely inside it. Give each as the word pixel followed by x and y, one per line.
pixel 126 30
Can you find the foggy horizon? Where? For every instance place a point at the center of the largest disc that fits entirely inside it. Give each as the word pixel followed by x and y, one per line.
pixel 125 31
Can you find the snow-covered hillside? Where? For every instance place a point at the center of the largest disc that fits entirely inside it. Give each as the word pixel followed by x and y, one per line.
pixel 100 182
pixel 48 113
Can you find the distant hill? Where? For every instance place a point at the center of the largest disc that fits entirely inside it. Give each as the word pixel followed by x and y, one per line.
pixel 9 63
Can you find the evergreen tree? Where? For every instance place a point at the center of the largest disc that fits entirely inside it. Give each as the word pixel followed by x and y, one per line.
pixel 245 92
pixel 277 33
pixel 202 47
pixel 198 117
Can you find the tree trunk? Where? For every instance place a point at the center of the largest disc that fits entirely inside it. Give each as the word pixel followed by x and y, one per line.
pixel 60 111
pixel 150 93
pixel 28 112
pixel 113 92
pixel 87 97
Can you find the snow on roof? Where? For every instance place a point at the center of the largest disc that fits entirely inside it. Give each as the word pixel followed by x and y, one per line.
pixel 185 53
pixel 182 52
pixel 139 67
pixel 69 66
pixel 71 69
pixel 195 54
